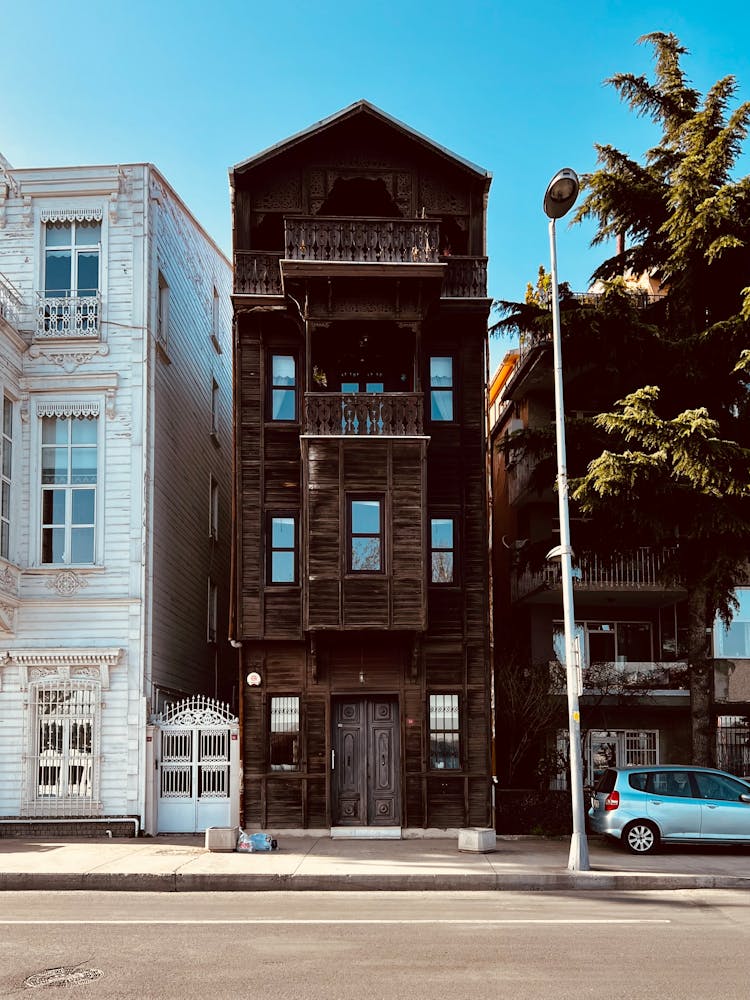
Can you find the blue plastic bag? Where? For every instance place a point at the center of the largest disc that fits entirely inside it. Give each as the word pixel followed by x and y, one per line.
pixel 256 843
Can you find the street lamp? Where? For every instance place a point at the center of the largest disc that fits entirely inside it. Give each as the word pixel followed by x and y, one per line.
pixel 559 198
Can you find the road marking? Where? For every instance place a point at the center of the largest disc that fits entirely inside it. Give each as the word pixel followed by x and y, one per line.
pixel 316 921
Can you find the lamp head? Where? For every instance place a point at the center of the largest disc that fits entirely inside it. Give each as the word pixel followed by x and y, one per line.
pixel 561 193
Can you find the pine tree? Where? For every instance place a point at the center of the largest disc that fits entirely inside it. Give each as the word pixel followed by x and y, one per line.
pixel 666 463
pixel 681 473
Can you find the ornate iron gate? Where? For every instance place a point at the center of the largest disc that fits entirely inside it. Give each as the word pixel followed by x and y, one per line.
pixel 197 765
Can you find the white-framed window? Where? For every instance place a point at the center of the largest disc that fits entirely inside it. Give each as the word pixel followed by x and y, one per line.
pixel 605 748
pixel 66 476
pixel 6 474
pixel 441 389
pixel 64 750
pixel 213 508
pixel 445 732
pixel 607 642
pixel 162 312
pixel 214 408
pixel 72 249
pixel 215 320
pixel 212 611
pixel 733 643
pixel 284 733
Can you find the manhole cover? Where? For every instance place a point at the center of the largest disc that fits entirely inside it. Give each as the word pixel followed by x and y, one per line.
pixel 61 977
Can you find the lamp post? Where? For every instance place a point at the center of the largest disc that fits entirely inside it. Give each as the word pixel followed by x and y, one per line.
pixel 558 200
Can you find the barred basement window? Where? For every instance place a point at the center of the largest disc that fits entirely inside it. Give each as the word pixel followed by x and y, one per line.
pixel 284 755
pixel 444 732
pixel 64 751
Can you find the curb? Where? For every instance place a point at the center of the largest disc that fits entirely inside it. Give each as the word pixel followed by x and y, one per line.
pixel 507 882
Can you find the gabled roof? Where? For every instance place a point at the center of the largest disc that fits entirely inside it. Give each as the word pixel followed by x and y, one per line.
pixel 358 108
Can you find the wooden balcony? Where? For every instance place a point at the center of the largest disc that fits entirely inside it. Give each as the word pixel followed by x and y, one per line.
pixel 363 414
pixel 637 575
pixel 325 242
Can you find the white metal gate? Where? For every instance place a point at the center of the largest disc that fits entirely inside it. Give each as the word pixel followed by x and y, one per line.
pixel 197 766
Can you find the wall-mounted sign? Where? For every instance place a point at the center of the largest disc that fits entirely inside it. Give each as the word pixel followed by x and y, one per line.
pixel 253 678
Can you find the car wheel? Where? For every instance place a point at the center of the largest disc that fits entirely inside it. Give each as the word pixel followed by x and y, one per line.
pixel 641 837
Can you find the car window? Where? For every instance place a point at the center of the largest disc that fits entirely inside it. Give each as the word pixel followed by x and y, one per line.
pixel 606 782
pixel 716 786
pixel 672 783
pixel 638 780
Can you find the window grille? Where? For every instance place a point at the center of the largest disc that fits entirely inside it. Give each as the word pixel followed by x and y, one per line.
pixel 444 732
pixel 64 754
pixel 6 472
pixel 284 748
pixel 733 744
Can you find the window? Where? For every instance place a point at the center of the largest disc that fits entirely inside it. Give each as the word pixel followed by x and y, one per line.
pixel 282 532
pixel 283 387
pixel 162 312
pixel 64 743
pixel 6 469
pixel 365 535
pixel 605 749
pixel 214 408
pixel 213 509
pixel 71 258
pixel 444 732
pixel 733 744
pixel 441 388
pixel 68 489
pixel 212 611
pixel 442 547
pixel 607 642
pixel 71 279
pixel 215 319
pixel 734 642
pixel 284 749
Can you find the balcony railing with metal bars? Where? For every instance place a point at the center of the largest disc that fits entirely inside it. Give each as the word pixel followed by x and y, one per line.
pixel 11 303
pixel 68 317
pixel 592 572
pixel 365 414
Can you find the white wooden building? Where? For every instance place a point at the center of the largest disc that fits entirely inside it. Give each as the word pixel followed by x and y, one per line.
pixel 115 383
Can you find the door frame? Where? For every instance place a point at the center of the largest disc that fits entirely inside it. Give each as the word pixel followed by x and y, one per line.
pixel 367 728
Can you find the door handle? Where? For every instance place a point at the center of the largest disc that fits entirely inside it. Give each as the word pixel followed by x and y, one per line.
pixel 333 760
pixel 656 802
pixel 710 806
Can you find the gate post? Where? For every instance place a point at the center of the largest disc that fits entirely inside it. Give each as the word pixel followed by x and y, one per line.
pixel 149 826
pixel 235 774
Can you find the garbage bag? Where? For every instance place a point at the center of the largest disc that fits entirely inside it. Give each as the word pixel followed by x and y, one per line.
pixel 255 843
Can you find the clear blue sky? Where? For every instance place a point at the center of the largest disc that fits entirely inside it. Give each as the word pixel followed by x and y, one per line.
pixel 192 87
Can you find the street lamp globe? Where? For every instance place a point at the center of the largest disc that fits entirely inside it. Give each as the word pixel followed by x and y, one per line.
pixel 561 193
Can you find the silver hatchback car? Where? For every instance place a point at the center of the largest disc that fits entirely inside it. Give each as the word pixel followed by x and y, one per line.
pixel 643 807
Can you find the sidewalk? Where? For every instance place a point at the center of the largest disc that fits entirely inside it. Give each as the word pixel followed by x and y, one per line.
pixel 180 863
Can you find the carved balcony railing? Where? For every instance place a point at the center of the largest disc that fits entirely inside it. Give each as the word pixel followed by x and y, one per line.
pixel 68 317
pixel 367 241
pixel 592 572
pixel 465 278
pixel 257 273
pixel 11 303
pixel 365 414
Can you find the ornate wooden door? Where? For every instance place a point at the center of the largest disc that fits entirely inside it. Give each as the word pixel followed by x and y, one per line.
pixel 365 780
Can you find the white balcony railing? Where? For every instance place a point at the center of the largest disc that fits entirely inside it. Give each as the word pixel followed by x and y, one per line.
pixel 11 303
pixel 640 570
pixel 72 317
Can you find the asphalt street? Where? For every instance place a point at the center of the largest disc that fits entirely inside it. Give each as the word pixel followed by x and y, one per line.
pixel 686 944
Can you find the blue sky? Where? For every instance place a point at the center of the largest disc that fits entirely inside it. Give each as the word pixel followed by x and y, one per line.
pixel 516 88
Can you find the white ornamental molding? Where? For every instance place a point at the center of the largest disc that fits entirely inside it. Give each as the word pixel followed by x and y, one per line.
pixel 68 358
pixel 67 583
pixel 196 712
pixel 79 214
pixel 7 619
pixel 68 408
pixel 9 581
pixel 62 664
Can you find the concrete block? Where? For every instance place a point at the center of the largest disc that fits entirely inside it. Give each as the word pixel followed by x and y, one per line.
pixel 480 840
pixel 221 838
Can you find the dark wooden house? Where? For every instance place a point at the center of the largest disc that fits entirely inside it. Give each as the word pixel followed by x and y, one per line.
pixel 361 543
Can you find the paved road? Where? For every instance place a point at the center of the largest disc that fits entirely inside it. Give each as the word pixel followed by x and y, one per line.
pixel 459 946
